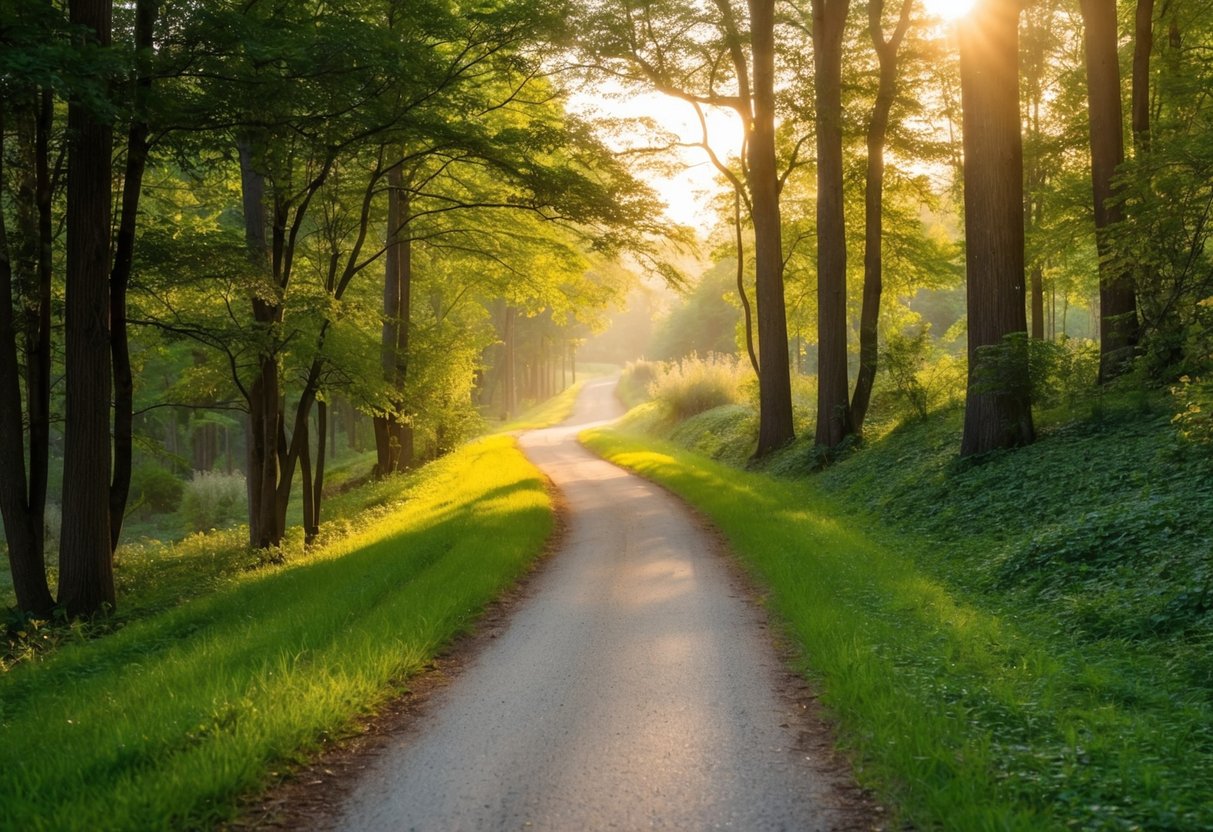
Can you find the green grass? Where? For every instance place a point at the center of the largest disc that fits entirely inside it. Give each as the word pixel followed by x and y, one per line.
pixel 165 723
pixel 545 414
pixel 967 705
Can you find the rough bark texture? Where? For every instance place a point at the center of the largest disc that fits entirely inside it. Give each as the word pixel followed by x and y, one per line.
pixel 21 524
pixel 873 201
pixel 833 405
pixel 124 250
pixel 775 427
pixel 998 412
pixel 86 581
pixel 1118 331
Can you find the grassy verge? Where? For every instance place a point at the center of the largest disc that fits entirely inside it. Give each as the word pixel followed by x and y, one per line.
pixel 164 723
pixel 963 711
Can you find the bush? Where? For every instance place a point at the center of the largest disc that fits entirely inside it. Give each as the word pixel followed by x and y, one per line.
pixel 155 490
pixel 213 499
pixel 694 385
pixel 635 380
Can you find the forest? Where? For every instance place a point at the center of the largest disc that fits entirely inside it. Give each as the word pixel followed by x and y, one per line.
pixel 285 286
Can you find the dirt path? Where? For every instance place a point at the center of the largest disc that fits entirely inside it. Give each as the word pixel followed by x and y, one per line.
pixel 636 689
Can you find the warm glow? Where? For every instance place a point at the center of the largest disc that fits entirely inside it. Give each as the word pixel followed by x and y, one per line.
pixel 948 9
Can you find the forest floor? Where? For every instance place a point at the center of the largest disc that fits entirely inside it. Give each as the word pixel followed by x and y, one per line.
pixel 638 686
pixel 1019 642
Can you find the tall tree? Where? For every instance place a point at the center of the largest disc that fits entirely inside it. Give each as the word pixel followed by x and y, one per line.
pixel 887 49
pixel 833 406
pixel 998 411
pixel 1118 328
pixel 86 581
pixel 725 56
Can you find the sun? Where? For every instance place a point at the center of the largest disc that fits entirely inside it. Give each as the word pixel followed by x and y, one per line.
pixel 948 9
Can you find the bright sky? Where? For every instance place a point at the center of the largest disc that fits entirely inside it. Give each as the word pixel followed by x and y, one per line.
pixel 687 180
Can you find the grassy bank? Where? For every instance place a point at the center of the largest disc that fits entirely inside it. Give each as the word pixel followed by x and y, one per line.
pixel 164 723
pixel 1014 645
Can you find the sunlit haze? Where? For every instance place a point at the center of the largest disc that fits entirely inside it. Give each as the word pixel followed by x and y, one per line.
pixel 684 177
pixel 948 9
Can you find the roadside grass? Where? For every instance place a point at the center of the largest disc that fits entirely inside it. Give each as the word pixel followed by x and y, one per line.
pixel 166 722
pixel 966 705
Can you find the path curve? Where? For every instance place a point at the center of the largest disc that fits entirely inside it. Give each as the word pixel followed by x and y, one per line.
pixel 635 689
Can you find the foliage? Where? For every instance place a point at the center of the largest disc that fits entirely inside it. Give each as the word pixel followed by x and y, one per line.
pixel 694 385
pixel 706 320
pixel 213 499
pixel 220 692
pixel 155 490
pixel 1194 416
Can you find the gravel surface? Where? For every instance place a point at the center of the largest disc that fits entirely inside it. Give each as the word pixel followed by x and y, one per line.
pixel 637 688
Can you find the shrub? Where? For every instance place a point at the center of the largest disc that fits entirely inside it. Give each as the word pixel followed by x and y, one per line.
pixel 694 385
pixel 213 499
pixel 635 380
pixel 155 490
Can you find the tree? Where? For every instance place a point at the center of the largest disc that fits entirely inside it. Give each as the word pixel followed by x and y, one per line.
pixel 1117 298
pixel 725 57
pixel 86 582
pixel 878 127
pixel 998 411
pixel 833 406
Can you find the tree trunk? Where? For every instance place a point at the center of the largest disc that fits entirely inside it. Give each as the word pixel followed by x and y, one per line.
pixel 1038 304
pixel 998 411
pixel 1143 45
pixel 775 427
pixel 393 438
pixel 509 378
pixel 873 202
pixel 22 530
pixel 124 249
pixel 317 484
pixel 833 405
pixel 1118 330
pixel 86 580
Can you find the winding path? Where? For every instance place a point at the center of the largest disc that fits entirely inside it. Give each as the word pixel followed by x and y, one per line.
pixel 635 689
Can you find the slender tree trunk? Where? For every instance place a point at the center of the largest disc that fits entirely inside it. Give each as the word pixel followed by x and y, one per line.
pixel 998 411
pixel 86 580
pixel 1118 331
pixel 873 202
pixel 1143 46
pixel 317 483
pixel 120 352
pixel 393 439
pixel 509 379
pixel 26 559
pixel 833 405
pixel 310 526
pixel 38 326
pixel 1038 303
pixel 747 313
pixel 775 427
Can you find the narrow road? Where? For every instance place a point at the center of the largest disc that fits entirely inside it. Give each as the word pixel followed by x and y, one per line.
pixel 635 689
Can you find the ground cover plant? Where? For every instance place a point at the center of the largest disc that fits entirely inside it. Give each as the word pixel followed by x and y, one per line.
pixel 164 722
pixel 1020 642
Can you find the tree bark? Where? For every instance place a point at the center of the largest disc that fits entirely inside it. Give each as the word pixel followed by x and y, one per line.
pixel 873 201
pixel 86 581
pixel 132 187
pixel 833 405
pixel 998 411
pixel 1118 330
pixel 775 427
pixel 1143 46
pixel 22 524
pixel 393 438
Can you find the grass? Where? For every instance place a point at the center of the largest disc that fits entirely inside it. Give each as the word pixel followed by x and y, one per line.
pixel 166 722
pixel 547 413
pixel 974 694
